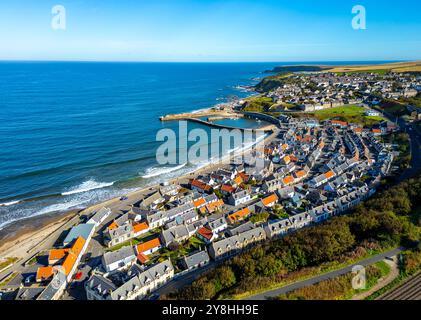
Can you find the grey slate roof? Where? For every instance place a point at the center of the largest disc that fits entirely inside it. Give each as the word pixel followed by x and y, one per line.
pixel 119 231
pixel 101 285
pixel 241 228
pixel 196 259
pixel 118 255
pixel 101 214
pixel 28 293
pixel 135 283
pixel 83 230
pixel 177 232
pixel 59 280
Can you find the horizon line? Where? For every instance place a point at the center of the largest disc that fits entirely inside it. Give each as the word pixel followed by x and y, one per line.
pixel 226 61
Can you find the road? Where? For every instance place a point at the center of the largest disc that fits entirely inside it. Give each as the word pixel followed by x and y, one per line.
pixel 298 285
pixel 415 143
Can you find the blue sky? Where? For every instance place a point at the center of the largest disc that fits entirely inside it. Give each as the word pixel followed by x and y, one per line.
pixel 210 30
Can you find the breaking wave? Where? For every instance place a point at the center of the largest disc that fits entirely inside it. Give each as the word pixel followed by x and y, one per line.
pixel 7 204
pixel 88 186
pixel 154 172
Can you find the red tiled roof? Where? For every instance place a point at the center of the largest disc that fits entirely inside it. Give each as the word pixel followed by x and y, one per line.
pixel 142 247
pixel 329 174
pixel 238 179
pixel 200 184
pixel 269 200
pixel 57 254
pixel 113 226
pixel 140 227
pixel 205 233
pixel 244 176
pixel 142 258
pixel 211 207
pixel 228 188
pixel 199 202
pixel 44 273
pixel 69 262
pixel 77 246
pixel 239 215
pixel 300 174
pixel 293 158
pixel 288 180
pixel 341 123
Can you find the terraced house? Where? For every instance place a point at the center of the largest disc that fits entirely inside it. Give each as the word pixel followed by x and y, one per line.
pixel 230 246
pixel 140 285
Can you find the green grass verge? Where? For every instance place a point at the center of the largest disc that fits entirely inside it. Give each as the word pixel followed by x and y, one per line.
pixel 8 262
pixel 305 275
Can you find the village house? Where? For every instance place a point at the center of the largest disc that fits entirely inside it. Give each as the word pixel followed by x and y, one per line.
pixel 195 260
pixel 230 246
pixel 119 259
pixel 118 235
pixel 277 228
pixel 149 247
pixel 270 201
pixel 135 288
pixel 239 215
pixel 206 235
pixel 301 220
pixel 177 234
pixel 217 223
pixel 239 197
pixel 200 186
pixel 99 217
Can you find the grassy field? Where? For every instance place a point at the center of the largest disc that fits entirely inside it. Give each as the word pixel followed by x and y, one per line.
pixel 258 104
pixel 354 114
pixel 376 71
pixel 414 66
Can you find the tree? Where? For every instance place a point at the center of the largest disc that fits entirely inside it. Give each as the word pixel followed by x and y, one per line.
pixel 226 277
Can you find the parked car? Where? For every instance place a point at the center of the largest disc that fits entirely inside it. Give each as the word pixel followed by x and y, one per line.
pixel 29 279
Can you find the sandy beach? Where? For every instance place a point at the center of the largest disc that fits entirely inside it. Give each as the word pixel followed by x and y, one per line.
pixel 22 239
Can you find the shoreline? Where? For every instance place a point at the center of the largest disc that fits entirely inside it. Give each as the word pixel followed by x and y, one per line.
pixel 27 231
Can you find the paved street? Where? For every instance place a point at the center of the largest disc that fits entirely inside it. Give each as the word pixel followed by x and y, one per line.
pixel 329 275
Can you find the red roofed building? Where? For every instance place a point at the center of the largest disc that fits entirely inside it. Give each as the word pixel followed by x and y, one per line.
pixel 299 175
pixel 206 235
pixel 149 247
pixel 244 177
pixel 140 228
pixel 239 215
pixel 212 207
pixel 288 180
pixel 142 258
pixel 339 123
pixel 270 201
pixel 227 189
pixel 329 174
pixel 200 186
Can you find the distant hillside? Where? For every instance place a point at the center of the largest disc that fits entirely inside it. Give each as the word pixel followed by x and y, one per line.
pixel 302 68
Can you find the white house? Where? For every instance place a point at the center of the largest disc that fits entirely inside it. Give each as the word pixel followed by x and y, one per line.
pixel 119 259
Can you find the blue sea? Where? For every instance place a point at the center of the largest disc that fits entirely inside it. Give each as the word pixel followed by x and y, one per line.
pixel 75 133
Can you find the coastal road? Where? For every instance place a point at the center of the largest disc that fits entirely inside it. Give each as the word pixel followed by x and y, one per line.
pixel 305 283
